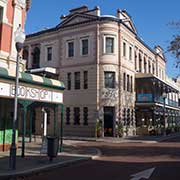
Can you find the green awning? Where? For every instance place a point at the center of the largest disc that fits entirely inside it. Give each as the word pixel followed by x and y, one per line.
pixel 31 79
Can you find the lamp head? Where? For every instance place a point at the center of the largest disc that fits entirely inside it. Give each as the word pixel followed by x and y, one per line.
pixel 19 38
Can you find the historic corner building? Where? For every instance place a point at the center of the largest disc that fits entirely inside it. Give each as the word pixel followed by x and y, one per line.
pixel 110 74
pixel 35 92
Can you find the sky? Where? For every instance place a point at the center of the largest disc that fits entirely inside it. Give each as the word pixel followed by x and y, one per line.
pixel 151 18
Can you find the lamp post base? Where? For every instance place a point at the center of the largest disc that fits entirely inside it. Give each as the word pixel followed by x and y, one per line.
pixel 12 160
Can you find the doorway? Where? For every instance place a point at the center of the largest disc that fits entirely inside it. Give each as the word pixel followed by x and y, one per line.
pixel 109 121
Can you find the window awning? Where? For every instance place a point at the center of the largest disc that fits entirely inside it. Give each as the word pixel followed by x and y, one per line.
pixel 31 87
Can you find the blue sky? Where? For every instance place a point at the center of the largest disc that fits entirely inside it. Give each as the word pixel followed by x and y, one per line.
pixel 150 18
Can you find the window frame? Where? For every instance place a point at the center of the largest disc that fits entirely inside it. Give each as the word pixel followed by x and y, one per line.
pixel 130 53
pixel 81 46
pixel 77 82
pixel 69 79
pixel 67 49
pixel 68 115
pixel 106 85
pixel 85 76
pixel 49 54
pixel 77 116
pixel 105 44
pixel 85 116
pixel 124 49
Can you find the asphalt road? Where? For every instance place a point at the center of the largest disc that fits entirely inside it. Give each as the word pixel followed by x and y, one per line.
pixel 120 161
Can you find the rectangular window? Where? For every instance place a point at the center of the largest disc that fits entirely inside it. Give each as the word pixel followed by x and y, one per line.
pixel 124 49
pixel 128 83
pixel 109 79
pixel 109 45
pixel 85 115
pixel 124 81
pixel 130 53
pixel 135 59
pixel 85 46
pixel 77 116
pixel 70 49
pixel 49 53
pixel 131 83
pixel 77 80
pixel 68 110
pixel 85 79
pixel 1 14
pixel 69 81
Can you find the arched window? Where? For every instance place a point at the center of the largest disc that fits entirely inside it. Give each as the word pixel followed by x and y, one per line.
pixel 36 58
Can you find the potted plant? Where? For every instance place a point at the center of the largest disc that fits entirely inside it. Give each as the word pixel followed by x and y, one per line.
pixel 120 129
pixel 98 128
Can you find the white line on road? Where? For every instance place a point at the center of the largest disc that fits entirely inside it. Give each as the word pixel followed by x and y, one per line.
pixel 143 174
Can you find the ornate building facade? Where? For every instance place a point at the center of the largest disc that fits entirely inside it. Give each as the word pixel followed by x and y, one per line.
pixel 99 57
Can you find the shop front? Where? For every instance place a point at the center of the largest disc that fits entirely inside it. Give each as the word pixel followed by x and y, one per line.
pixel 157 109
pixel 34 92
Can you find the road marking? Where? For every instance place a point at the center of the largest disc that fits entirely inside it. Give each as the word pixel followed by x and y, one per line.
pixel 143 174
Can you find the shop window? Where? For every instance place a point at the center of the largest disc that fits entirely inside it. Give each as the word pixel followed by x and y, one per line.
pixel 76 116
pixel 85 115
pixel 48 116
pixel 77 80
pixel 68 110
pixel 109 79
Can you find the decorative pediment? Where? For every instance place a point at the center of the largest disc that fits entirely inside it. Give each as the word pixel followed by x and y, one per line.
pixel 76 18
pixel 130 24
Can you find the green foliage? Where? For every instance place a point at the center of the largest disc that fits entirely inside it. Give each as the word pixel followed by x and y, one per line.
pixel 174 48
pixel 174 45
pixel 98 128
pixel 120 129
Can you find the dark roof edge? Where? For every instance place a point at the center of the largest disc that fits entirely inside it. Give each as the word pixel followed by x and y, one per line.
pixel 41 32
pixel 141 41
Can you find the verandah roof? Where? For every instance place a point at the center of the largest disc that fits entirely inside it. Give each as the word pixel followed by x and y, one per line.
pixel 32 79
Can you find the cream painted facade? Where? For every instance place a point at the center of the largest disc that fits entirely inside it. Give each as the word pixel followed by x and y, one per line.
pixel 112 46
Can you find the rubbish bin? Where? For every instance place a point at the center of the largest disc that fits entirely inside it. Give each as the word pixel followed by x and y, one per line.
pixel 52 146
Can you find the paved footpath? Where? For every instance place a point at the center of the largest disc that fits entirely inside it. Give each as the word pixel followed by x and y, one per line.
pixel 74 150
pixel 35 162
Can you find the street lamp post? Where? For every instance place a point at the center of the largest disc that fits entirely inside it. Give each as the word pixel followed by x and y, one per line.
pixel 164 95
pixel 19 40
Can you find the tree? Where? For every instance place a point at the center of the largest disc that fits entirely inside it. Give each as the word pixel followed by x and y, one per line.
pixel 174 45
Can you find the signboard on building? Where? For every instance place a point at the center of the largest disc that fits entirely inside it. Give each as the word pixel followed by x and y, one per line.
pixel 109 93
pixel 31 93
pixel 144 97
